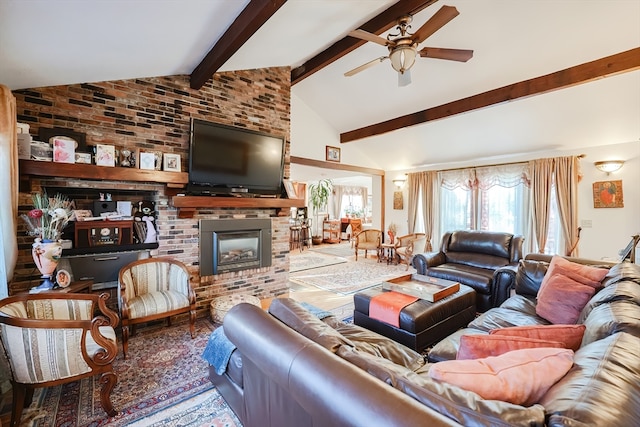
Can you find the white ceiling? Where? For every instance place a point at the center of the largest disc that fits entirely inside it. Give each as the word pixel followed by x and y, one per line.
pixel 52 42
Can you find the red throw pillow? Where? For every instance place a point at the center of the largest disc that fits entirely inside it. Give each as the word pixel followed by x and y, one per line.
pixel 561 299
pixel 569 335
pixel 480 346
pixel 585 274
pixel 521 377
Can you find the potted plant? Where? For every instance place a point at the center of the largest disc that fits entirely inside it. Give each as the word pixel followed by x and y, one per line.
pixel 319 193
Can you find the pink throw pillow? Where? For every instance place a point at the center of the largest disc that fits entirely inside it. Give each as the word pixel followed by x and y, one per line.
pixel 481 346
pixel 585 274
pixel 561 299
pixel 521 377
pixel 569 335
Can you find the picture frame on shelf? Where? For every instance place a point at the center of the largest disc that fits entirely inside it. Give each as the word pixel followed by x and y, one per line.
pixel 105 155
pixel 84 158
pixel 171 162
pixel 46 135
pixel 333 154
pixel 64 149
pixel 290 189
pixel 147 160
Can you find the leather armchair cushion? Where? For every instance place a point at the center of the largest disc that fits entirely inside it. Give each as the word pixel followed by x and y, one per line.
pixel 477 260
pixel 479 279
pixel 481 242
pixel 602 387
pixel 460 405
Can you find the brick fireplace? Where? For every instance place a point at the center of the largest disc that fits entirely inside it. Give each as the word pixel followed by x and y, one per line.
pixel 154 114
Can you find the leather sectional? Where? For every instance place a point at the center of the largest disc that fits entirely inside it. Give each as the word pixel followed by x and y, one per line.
pixel 292 369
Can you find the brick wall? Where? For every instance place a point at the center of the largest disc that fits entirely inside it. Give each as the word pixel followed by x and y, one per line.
pixel 154 114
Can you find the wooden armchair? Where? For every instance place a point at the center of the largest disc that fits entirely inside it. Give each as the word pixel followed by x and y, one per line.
pixel 51 339
pixel 154 288
pixel 368 240
pixel 405 246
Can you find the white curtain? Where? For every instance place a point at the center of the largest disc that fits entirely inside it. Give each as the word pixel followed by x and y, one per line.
pixel 8 188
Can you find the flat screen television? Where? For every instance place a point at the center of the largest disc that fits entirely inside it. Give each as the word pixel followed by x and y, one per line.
pixel 230 160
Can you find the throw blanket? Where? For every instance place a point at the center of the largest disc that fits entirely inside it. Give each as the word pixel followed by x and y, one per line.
pixel 386 307
pixel 218 350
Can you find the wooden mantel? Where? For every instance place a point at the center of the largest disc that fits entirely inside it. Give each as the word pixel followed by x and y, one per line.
pixel 187 205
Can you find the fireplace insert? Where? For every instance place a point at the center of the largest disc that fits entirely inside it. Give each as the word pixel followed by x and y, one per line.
pixel 234 244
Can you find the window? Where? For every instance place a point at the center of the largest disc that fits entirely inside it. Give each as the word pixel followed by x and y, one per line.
pixel 455 209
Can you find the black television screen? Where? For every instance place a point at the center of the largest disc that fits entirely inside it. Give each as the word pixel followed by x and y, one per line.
pixel 225 159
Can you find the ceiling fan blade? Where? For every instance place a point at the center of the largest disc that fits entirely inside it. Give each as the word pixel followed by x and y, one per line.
pixel 370 37
pixel 365 66
pixel 437 21
pixel 461 55
pixel 404 79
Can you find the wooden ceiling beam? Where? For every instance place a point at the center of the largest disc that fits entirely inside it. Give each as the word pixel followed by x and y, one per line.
pixel 605 67
pixel 376 25
pixel 252 17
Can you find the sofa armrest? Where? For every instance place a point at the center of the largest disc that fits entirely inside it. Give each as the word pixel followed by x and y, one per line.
pixel 423 261
pixel 504 280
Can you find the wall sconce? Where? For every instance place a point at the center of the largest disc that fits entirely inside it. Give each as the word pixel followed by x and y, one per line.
pixel 399 182
pixel 609 166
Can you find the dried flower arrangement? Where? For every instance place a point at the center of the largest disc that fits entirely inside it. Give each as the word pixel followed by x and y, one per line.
pixel 48 217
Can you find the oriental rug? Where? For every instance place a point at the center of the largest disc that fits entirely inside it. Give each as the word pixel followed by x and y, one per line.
pixel 308 260
pixel 351 277
pixel 163 367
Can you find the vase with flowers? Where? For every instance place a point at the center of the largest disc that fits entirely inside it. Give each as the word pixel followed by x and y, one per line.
pixel 391 231
pixel 45 222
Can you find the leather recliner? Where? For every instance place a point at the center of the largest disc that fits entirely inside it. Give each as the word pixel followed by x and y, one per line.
pixel 484 260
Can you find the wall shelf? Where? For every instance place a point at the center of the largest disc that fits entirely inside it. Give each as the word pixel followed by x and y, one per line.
pixel 187 205
pixel 93 172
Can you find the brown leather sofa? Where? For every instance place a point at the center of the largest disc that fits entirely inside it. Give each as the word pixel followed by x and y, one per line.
pixel 483 260
pixel 292 369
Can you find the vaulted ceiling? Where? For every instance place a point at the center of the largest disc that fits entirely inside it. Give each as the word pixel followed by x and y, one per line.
pixel 509 98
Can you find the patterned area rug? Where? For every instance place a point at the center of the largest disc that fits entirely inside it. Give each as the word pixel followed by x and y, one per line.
pixel 343 249
pixel 205 409
pixel 308 260
pixel 163 367
pixel 346 279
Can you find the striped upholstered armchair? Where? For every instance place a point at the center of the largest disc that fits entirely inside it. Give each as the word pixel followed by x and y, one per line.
pixel 50 339
pixel 154 288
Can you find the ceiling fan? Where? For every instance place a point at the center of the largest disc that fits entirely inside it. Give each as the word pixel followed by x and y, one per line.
pixel 403 46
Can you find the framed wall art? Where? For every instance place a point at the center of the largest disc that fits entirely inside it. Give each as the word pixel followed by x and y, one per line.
pixel 333 154
pixel 608 194
pixel 172 162
pixel 398 200
pixel 147 160
pixel 290 189
pixel 105 155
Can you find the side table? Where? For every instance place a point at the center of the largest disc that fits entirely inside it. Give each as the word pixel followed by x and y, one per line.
pixel 387 253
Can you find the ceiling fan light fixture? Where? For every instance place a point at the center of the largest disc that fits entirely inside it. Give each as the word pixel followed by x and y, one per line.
pixel 402 57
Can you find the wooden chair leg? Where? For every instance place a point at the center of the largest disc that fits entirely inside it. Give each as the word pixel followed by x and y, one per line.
pixel 192 323
pixel 125 340
pixel 169 321
pixel 108 381
pixel 19 394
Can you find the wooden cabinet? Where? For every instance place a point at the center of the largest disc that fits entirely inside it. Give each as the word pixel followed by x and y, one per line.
pixel 331 231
